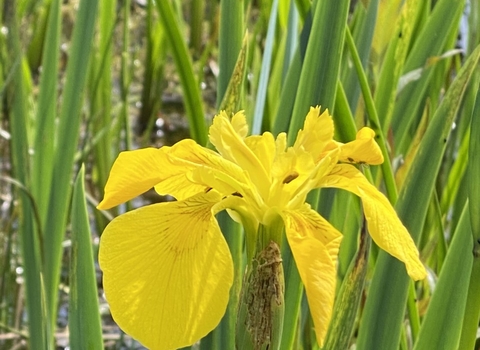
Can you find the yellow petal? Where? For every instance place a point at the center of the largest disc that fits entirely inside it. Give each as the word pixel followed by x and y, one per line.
pixel 133 173
pixel 231 145
pixel 187 157
pixel 239 124
pixel 290 172
pixel 317 263
pixel 264 148
pixel 384 225
pixel 306 221
pixel 167 271
pixel 316 134
pixel 363 149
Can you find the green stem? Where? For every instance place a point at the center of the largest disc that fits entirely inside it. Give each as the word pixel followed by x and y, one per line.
pixel 373 118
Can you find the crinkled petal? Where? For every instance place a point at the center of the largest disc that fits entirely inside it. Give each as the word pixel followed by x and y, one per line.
pixel 317 133
pixel 133 173
pixel 316 263
pixel 231 145
pixel 384 225
pixel 363 150
pixel 167 271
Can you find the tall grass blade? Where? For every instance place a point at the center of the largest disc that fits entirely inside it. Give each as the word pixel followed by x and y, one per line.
pixel 265 71
pixel 231 32
pixel 84 318
pixel 348 299
pixel 442 325
pixel 232 97
pixel 100 87
pixel 385 306
pixel 474 170
pixel 472 310
pixel 394 61
pixel 321 66
pixel 374 120
pixel 442 25
pixel 30 239
pixel 153 74
pixel 362 32
pixel 67 139
pixel 42 160
pixel 183 62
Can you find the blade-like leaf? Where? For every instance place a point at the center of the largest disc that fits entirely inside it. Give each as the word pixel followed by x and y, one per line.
pixel 84 318
pixel 442 324
pixel 318 80
pixel 265 71
pixel 42 161
pixel 183 61
pixel 348 300
pixel 67 139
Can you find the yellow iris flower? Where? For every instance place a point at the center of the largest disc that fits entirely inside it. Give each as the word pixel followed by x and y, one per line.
pixel 167 269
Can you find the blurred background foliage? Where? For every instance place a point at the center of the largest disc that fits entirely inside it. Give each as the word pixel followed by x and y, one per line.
pixel 82 80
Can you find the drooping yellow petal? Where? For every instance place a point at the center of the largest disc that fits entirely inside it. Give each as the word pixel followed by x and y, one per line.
pixel 167 271
pixel 317 133
pixel 363 149
pixel 133 173
pixel 306 221
pixel 384 225
pixel 317 263
pixel 231 145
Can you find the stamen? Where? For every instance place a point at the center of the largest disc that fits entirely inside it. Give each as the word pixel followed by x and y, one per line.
pixel 290 177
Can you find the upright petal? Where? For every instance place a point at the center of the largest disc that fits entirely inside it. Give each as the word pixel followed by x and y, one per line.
pixel 264 148
pixel 363 149
pixel 167 271
pixel 316 134
pixel 316 262
pixel 384 225
pixel 230 143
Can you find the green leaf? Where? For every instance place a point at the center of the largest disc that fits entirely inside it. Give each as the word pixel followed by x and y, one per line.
pixel 84 318
pixel 40 334
pixel 442 324
pixel 348 298
pixel 67 139
pixel 231 33
pixel 183 62
pixel 231 98
pixel 42 160
pixel 474 171
pixel 320 69
pixel 439 31
pixel 364 27
pixel 265 71
pixel 472 310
